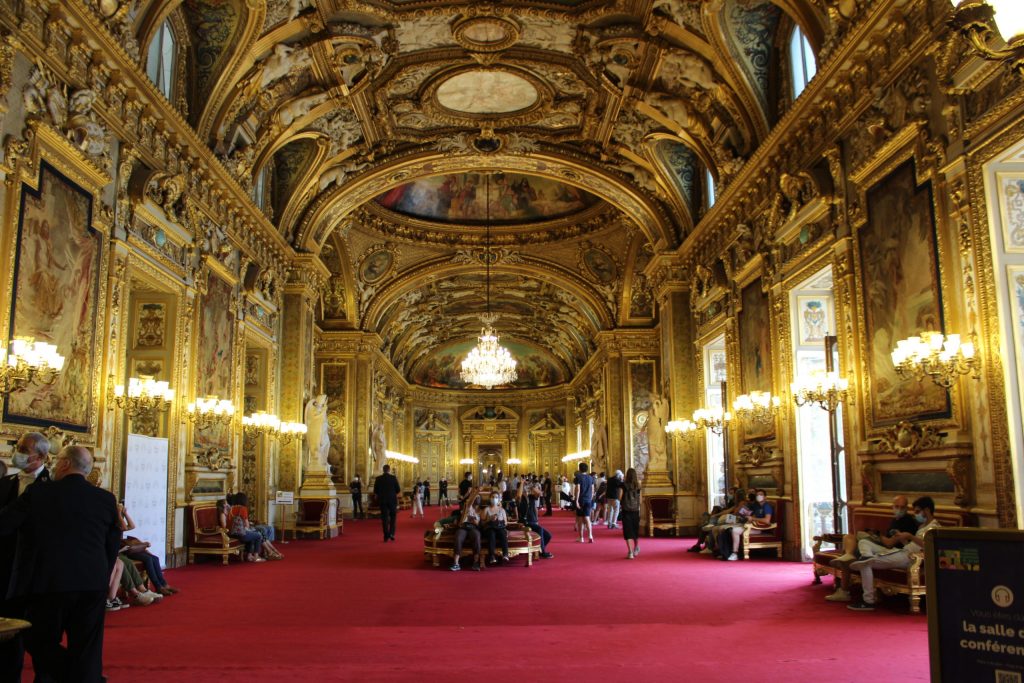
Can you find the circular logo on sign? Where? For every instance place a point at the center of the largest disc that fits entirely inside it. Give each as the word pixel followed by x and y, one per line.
pixel 1002 596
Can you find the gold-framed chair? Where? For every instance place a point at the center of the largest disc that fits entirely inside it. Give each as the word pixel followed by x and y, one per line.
pixel 661 514
pixel 207 537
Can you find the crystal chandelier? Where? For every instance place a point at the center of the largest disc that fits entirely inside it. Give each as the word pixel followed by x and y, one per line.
pixel 488 364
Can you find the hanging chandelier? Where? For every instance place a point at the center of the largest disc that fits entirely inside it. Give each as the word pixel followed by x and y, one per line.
pixel 488 364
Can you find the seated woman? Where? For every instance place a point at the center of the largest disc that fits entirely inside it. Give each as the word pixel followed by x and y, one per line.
pixel 139 551
pixel 468 527
pixel 264 530
pixel 134 585
pixel 495 525
pixel 237 527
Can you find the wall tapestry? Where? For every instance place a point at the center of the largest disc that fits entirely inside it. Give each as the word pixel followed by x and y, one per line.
pixel 641 386
pixel 900 275
pixel 56 289
pixel 216 341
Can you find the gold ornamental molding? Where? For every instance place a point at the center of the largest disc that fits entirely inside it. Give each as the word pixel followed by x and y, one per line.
pixel 330 208
pixel 906 439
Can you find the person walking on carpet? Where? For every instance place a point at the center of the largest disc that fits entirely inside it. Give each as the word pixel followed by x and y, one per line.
pixel 630 516
pixel 387 488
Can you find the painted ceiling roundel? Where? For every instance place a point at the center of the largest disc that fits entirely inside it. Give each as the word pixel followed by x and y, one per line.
pixel 487 92
pixel 461 198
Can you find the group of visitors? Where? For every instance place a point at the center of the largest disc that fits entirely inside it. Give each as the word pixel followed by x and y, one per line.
pixel 610 499
pixel 257 538
pixel 63 557
pixel 722 531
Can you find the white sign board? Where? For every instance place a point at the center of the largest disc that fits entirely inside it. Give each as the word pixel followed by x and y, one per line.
pixel 145 491
pixel 285 498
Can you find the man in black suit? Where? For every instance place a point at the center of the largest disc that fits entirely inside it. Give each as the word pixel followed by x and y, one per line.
pixel 356 487
pixel 30 455
pixel 386 488
pixel 72 532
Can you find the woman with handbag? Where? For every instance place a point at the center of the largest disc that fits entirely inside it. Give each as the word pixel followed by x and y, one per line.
pixel 630 516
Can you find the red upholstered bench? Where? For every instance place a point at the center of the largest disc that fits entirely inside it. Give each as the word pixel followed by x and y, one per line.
pixel 441 542
pixel 909 581
pixel 207 537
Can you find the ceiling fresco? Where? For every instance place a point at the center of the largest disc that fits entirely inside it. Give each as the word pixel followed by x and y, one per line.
pixel 462 197
pixel 595 119
pixel 535 368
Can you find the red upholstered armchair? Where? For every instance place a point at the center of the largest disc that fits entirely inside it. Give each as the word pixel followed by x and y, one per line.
pixel 661 513
pixel 207 537
pixel 757 536
pixel 311 516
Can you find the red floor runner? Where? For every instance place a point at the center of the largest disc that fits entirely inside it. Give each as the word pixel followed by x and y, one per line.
pixel 355 608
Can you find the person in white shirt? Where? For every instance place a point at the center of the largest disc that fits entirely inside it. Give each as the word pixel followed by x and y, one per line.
pixel 924 513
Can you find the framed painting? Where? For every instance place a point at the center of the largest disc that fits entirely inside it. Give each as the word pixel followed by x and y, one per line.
pixel 55 297
pixel 600 266
pixel 899 270
pixel 376 265
pixel 1011 210
pixel 1015 275
pixel 813 316
pixel 216 346
pixel 755 350
pixel 642 385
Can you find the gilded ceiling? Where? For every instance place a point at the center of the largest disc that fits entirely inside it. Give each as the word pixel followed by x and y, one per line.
pixel 371 126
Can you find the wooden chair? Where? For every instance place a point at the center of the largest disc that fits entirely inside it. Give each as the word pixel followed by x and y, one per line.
pixel 765 536
pixel 207 537
pixel 311 516
pixel 661 513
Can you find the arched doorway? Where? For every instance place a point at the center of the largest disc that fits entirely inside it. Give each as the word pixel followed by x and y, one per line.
pixel 490 458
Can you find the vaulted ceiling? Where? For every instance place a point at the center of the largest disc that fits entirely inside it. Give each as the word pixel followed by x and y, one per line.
pixel 376 124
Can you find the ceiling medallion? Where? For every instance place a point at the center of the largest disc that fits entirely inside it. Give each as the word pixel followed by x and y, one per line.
pixel 486 34
pixel 487 92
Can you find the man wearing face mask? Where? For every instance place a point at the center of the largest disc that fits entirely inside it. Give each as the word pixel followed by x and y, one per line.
pixel 864 544
pixel 30 453
pixel 924 515
pixel 75 534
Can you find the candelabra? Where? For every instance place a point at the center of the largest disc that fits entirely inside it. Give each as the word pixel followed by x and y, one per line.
pixel 826 389
pixel 974 19
pixel 261 423
pixel 579 455
pixel 757 406
pixel 942 358
pixel 682 428
pixel 466 461
pixel 393 455
pixel 514 461
pixel 208 411
pixel 289 431
pixel 28 362
pixel 714 419
pixel 143 396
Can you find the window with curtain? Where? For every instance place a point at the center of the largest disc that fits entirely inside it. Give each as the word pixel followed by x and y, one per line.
pixel 802 63
pixel 160 63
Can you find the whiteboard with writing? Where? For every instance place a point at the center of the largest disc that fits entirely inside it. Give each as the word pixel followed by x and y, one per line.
pixel 145 491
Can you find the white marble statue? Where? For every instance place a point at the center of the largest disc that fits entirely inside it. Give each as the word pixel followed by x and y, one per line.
pixel 318 439
pixel 378 446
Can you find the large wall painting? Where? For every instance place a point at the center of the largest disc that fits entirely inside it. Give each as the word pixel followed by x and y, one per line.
pixel 755 350
pixel 901 294
pixel 461 197
pixel 535 367
pixel 642 382
pixel 216 342
pixel 56 289
pixel 333 383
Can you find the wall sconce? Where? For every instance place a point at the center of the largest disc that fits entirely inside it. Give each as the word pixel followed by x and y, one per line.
pixel 930 354
pixel 289 431
pixel 466 461
pixel 681 428
pixel 144 395
pixel 826 389
pixel 210 410
pixel 513 461
pixel 973 19
pixel 261 423
pixel 28 362
pixel 757 406
pixel 402 457
pixel 712 418
pixel 579 455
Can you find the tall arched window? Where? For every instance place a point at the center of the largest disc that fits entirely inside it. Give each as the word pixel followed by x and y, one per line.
pixel 259 188
pixel 160 63
pixel 802 64
pixel 709 186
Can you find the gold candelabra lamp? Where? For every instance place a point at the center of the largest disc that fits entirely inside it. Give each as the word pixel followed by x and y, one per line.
pixel 261 423
pixel 825 389
pixel 681 428
pixel 289 431
pixel 143 396
pixel 208 411
pixel 943 358
pixel 28 362
pixel 757 406
pixel 714 419
pixel 974 19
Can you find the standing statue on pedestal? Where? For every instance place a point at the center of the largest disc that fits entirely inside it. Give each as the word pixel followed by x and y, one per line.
pixel 657 439
pixel 318 440
pixel 599 448
pixel 378 445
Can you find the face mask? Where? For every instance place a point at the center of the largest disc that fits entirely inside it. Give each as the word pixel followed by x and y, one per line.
pixel 760 499
pixel 898 513
pixel 495 501
pixel 920 518
pixel 20 460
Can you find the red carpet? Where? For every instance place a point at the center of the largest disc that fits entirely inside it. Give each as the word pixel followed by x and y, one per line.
pixel 355 608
